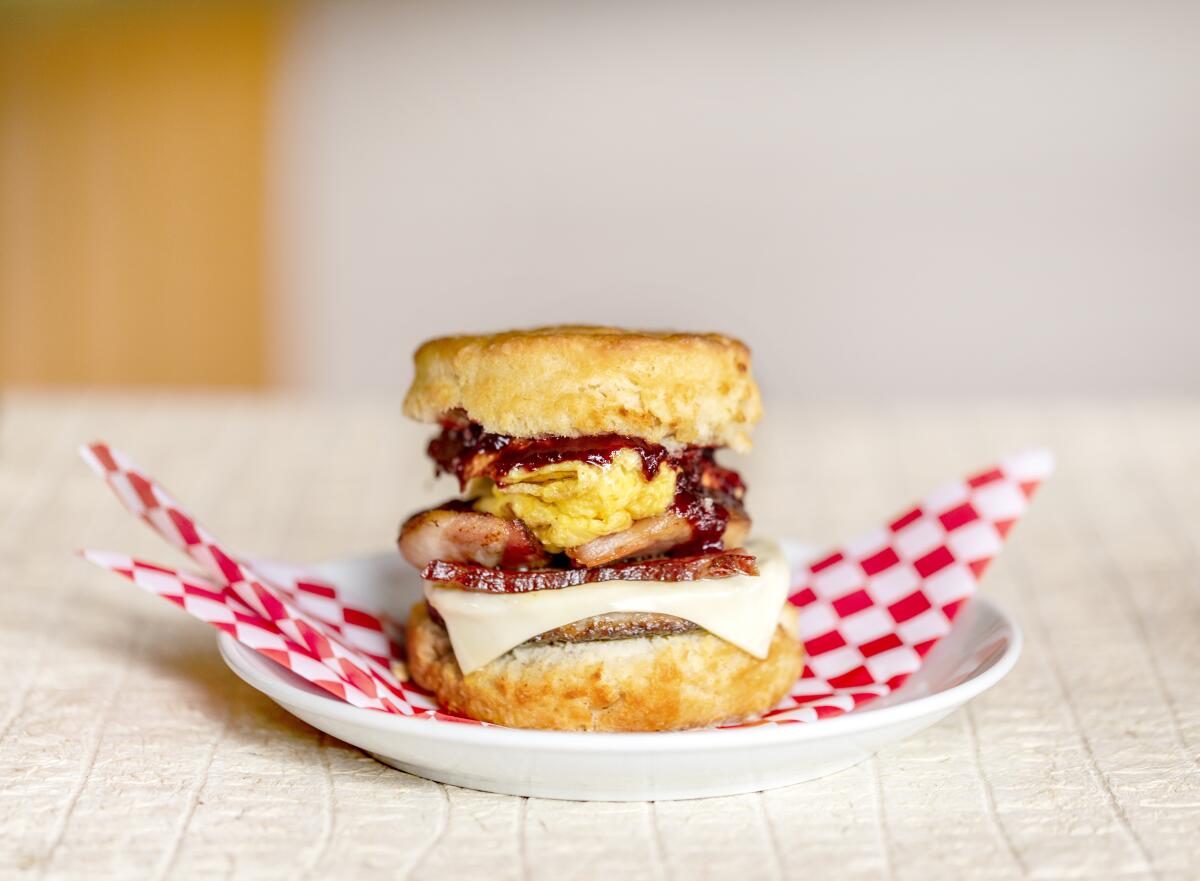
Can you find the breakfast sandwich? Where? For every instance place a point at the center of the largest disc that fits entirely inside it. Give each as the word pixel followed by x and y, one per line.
pixel 595 572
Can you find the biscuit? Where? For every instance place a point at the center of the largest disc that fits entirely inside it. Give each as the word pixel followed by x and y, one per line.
pixel 675 389
pixel 649 683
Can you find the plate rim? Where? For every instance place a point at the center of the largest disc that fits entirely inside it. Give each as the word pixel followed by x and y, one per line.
pixel 248 665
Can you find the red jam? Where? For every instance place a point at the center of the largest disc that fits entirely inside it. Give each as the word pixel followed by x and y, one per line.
pixel 595 450
pixel 458 443
pixel 461 440
pixel 704 493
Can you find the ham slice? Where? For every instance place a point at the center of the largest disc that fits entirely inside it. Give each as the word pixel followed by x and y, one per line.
pixel 652 535
pixel 458 534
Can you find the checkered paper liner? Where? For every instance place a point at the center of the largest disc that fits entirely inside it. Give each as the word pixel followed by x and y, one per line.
pixel 869 611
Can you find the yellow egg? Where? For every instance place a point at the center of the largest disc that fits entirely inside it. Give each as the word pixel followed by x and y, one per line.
pixel 570 503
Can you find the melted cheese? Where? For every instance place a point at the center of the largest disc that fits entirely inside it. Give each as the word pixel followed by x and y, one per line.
pixel 742 610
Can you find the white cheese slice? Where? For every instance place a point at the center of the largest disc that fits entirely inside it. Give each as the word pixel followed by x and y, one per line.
pixel 742 609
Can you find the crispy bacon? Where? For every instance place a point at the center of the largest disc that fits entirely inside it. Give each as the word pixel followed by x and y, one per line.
pixel 470 576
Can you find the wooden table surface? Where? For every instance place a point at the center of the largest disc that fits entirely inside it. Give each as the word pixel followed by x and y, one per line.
pixel 128 750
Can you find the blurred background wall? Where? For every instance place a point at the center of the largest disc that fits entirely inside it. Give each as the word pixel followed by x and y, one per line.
pixel 917 198
pixel 133 143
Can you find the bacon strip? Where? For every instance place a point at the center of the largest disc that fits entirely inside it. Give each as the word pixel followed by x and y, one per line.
pixel 470 576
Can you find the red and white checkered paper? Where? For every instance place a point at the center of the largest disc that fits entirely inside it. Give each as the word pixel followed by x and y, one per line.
pixel 870 611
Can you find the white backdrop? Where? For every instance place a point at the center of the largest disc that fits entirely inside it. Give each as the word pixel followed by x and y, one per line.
pixel 910 198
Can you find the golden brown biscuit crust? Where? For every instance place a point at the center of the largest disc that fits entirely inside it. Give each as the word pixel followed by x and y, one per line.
pixel 670 388
pixel 657 683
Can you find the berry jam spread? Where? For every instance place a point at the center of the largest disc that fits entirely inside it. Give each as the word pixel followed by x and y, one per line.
pixel 459 443
pixel 461 440
pixel 704 491
pixel 595 450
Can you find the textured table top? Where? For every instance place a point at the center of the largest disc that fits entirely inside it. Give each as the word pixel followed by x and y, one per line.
pixel 127 750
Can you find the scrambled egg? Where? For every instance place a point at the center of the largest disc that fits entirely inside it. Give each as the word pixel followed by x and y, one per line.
pixel 570 503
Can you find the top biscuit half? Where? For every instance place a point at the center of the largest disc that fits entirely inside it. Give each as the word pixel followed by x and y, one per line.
pixel 675 389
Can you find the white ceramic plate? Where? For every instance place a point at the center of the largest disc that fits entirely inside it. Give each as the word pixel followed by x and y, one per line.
pixel 981 648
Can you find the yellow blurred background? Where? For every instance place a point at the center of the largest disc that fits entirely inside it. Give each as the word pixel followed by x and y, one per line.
pixel 899 200
pixel 132 155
